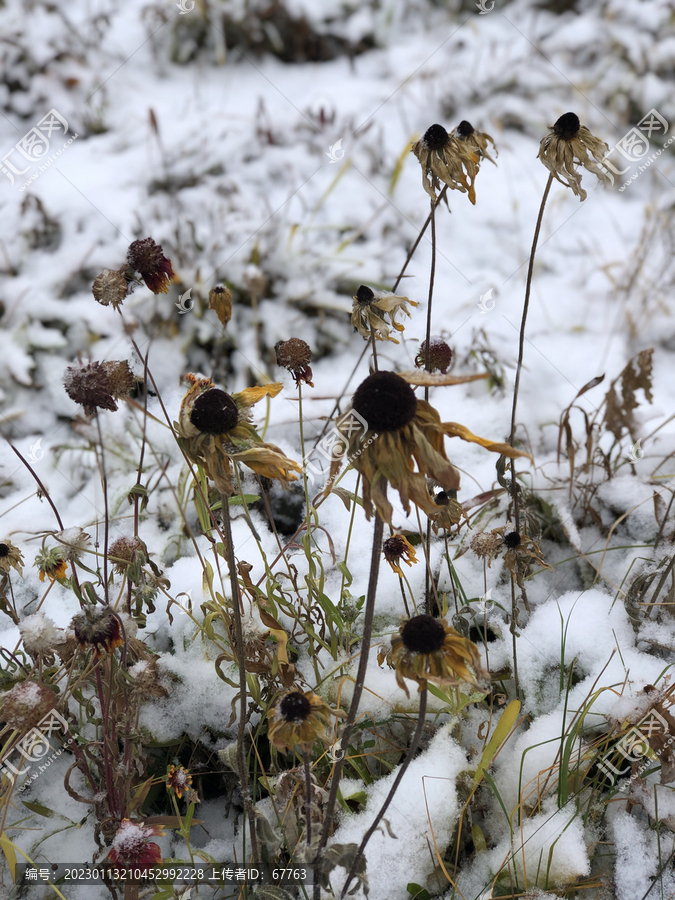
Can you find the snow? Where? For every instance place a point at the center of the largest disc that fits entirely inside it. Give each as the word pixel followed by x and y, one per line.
pixel 236 184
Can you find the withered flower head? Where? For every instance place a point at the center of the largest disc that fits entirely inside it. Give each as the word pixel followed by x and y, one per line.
pixel 132 846
pixel 98 627
pixel 74 542
pixel 398 549
pixel 220 300
pixel 178 780
pixel 148 258
pixel 448 514
pixel 51 563
pixel 440 355
pixel 124 552
pixel 426 649
pixel 24 705
pixel 10 558
pixel 512 540
pixel 385 401
pixel 97 385
pixel 566 147
pixel 404 445
pixel 477 140
pixel 214 428
pixel 485 545
pixel 447 159
pixel 110 288
pixel 39 634
pixel 375 312
pixel 295 356
pixel 298 719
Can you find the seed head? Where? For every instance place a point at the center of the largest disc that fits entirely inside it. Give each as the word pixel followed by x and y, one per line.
pixel 87 384
pixel 38 633
pixel 512 540
pixel 567 126
pixel 423 634
pixel 485 545
pixel 436 137
pixel 295 707
pixel 148 258
pixel 214 412
pixel 440 355
pixel 385 401
pixel 364 295
pixel 120 377
pixel 127 549
pixel 464 129
pixel 110 288
pixel 295 356
pixel 26 704
pixel 98 627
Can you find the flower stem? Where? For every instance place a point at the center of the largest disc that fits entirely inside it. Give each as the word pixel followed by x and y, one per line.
pixel 412 750
pixel 372 337
pixel 308 801
pixel 239 634
pixel 378 531
pixel 521 347
pixel 104 480
pixel 427 366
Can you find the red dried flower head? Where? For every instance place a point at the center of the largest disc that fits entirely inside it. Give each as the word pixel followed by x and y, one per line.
pixel 295 356
pixel 178 780
pixel 132 846
pixel 148 258
pixel 440 355
pixel 97 385
pixel 98 627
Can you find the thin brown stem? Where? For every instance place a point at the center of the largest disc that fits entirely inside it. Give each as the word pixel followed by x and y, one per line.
pixel 427 366
pixel 378 532
pixel 241 661
pixel 412 750
pixel 372 339
pixel 308 799
pixel 521 347
pixel 514 624
pixel 106 524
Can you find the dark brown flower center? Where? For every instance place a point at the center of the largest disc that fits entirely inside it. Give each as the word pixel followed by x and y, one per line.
pixel 436 137
pixel 423 634
pixel 385 401
pixel 464 129
pixel 441 499
pixel 4 550
pixel 214 412
pixel 295 707
pixel 394 548
pixel 567 126
pixel 512 540
pixel 440 355
pixel 364 295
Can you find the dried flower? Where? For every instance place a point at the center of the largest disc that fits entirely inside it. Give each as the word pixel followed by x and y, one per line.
pixel 440 355
pixel 448 513
pixel 178 780
pixel 298 719
pixel 485 545
pixel 97 385
pixel 566 147
pixel 426 649
pixel 214 428
pixel 295 356
pixel 403 446
pixel 476 140
pixel 50 564
pixel 124 552
pixel 110 288
pixel 74 541
pixel 25 704
pixel 445 158
pixel 10 558
pixel 371 310
pixel 512 540
pixel 39 634
pixel 148 258
pixel 398 549
pixel 98 627
pixel 132 846
pixel 220 300
pixel 521 552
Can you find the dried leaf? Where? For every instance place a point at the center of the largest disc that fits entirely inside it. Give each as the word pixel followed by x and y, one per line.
pixel 454 429
pixel 430 379
pixel 220 300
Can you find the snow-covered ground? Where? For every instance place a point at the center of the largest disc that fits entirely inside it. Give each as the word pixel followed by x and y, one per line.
pixel 292 182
